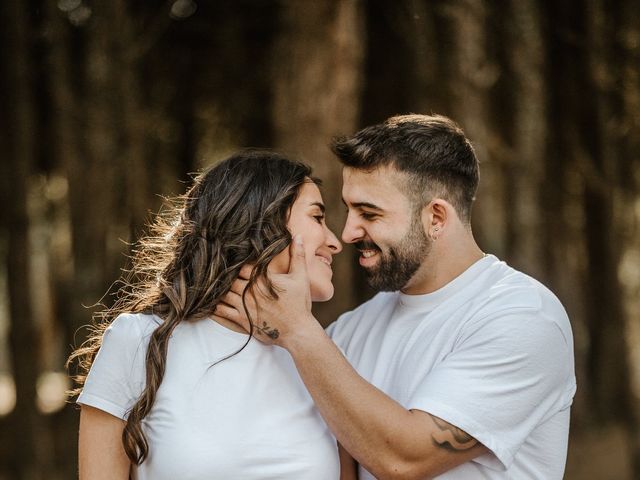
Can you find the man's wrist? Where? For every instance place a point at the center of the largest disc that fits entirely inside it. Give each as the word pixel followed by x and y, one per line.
pixel 303 334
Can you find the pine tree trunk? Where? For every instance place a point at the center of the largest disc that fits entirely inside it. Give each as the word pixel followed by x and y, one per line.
pixel 29 439
pixel 629 215
pixel 93 188
pixel 66 153
pixel 526 160
pixel 609 352
pixel 608 363
pixel 472 74
pixel 316 96
pixel 133 130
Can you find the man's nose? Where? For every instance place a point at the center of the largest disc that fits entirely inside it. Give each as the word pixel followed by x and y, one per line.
pixel 352 232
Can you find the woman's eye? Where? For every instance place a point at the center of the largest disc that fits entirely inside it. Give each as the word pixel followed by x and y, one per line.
pixel 319 218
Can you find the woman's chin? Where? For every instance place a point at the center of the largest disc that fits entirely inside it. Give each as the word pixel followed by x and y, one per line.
pixel 321 294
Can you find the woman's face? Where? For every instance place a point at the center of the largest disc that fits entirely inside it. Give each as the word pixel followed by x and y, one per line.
pixel 320 244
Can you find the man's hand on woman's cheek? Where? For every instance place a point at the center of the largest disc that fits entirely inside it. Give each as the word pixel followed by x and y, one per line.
pixel 273 320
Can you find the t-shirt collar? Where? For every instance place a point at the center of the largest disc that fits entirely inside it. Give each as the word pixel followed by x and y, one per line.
pixel 431 300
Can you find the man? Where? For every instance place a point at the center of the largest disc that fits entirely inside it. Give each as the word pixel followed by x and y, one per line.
pixel 461 367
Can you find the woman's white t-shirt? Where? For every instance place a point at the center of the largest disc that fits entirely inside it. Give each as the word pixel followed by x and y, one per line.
pixel 247 417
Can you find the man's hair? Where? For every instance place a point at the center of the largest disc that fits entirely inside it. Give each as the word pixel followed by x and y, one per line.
pixel 431 149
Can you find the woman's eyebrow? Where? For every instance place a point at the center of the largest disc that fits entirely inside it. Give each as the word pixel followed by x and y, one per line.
pixel 319 205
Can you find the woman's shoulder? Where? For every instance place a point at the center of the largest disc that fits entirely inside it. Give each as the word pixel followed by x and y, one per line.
pixel 128 328
pixel 117 375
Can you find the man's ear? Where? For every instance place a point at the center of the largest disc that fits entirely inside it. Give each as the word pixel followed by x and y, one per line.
pixel 434 217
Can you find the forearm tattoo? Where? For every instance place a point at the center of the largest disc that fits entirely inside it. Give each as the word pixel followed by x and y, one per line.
pixel 450 437
pixel 265 329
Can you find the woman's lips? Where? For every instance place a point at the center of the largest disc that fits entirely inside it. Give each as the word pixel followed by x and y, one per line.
pixel 326 260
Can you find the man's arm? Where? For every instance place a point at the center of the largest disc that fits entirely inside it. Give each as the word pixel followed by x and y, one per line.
pixel 387 439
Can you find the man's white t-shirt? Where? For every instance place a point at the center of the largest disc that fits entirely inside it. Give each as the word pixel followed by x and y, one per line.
pixel 491 353
pixel 248 417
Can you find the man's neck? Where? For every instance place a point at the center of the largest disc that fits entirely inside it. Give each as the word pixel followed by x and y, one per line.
pixel 445 262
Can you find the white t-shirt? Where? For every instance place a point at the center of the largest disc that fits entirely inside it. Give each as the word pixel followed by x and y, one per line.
pixel 491 353
pixel 248 417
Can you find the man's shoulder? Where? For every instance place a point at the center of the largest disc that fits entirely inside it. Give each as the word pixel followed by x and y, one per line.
pixel 508 288
pixel 509 293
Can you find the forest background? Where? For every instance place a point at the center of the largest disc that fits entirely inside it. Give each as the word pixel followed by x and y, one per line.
pixel 108 105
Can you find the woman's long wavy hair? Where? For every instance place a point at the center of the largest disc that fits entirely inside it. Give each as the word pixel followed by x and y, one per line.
pixel 235 213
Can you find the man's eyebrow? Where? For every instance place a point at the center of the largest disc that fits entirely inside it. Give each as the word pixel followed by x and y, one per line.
pixel 319 205
pixel 364 205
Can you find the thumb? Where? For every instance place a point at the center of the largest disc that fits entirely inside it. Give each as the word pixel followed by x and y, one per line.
pixel 298 262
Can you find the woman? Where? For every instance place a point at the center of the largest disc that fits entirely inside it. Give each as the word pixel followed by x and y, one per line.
pixel 172 393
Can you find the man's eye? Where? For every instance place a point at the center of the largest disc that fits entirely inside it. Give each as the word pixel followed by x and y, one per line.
pixel 368 216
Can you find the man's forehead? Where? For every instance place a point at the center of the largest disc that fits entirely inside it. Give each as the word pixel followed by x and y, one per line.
pixel 382 184
pixel 373 171
pixel 384 176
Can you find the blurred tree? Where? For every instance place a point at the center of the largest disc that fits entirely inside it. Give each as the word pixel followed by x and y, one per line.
pixel 523 127
pixel 119 101
pixel 602 162
pixel 473 72
pixel 316 97
pixel 26 452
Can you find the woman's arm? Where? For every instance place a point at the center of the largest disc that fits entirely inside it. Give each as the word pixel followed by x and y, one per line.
pixel 348 466
pixel 101 455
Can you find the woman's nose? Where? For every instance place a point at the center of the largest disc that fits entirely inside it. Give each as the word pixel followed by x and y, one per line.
pixel 332 242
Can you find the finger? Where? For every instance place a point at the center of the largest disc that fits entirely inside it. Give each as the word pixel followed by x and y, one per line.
pixel 238 286
pixel 245 271
pixel 233 314
pixel 227 311
pixel 239 301
pixel 298 263
pixel 233 299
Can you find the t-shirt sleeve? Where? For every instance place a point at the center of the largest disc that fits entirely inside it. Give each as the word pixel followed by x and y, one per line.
pixel 330 329
pixel 116 378
pixel 505 376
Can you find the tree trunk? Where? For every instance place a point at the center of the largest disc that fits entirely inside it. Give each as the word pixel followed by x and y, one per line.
pixel 133 131
pixel 92 187
pixel 608 353
pixel 607 356
pixel 66 151
pixel 29 440
pixel 525 168
pixel 628 139
pixel 472 74
pixel 316 96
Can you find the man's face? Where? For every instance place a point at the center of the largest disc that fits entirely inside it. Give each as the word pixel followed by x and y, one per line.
pixel 384 226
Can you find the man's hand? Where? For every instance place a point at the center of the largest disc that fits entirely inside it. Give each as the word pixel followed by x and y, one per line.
pixel 274 321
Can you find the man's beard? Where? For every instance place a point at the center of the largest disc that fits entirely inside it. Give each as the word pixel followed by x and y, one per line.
pixel 398 265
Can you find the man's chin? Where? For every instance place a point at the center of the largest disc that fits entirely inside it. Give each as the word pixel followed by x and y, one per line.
pixel 375 280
